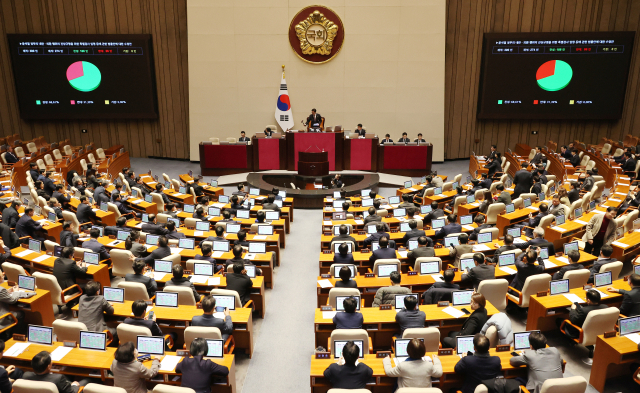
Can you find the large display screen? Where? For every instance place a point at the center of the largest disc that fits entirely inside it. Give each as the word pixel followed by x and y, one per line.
pixel 554 75
pixel 84 76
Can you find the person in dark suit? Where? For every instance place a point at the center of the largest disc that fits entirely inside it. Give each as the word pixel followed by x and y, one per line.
pixel 243 137
pixel 343 236
pixel 239 281
pixel 116 191
pixel 629 163
pixel 504 196
pixel 479 366
pixel 8 237
pixel 419 139
pixel 178 280
pixel 49 186
pixel 100 194
pixel 588 182
pixel 565 152
pixel 219 236
pixel 60 196
pixel 493 152
pixel 538 241
pixel 206 256
pixel 208 319
pixel 474 322
pixel 153 228
pixel 198 373
pixel 493 166
pixel 450 227
pixel 34 172
pixel 350 318
pixel 475 186
pixel 237 257
pixel 537 158
pixel 160 190
pixel 162 251
pixel 138 276
pixel 525 266
pixel 384 252
pixel 574 257
pixel 435 213
pixel 171 210
pixel 314 120
pixel 630 306
pixel 373 217
pixel 380 231
pixel 578 314
pixel 480 222
pixel 387 139
pixel 8 374
pixel 522 181
pixel 343 255
pixel 575 158
pixel 360 131
pixel 123 208
pixel 534 221
pixel 574 193
pixel 26 226
pixel 542 362
pixel 41 365
pixel 121 225
pixel 605 257
pixel 10 157
pixel 413 233
pixel 345 374
pixel 424 249
pixel 268 132
pixel 346 280
pixel 536 188
pixel 139 309
pixel 94 245
pixel 404 138
pixel 66 270
pixel 10 215
pixel 486 181
pixel 173 234
pixel 85 213
pixel 410 316
pixel 270 203
pixel 441 291
pixel 459 193
pixel 67 237
pixel 481 272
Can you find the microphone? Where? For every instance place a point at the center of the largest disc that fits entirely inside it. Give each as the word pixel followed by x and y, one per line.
pixel 309 148
pixel 317 147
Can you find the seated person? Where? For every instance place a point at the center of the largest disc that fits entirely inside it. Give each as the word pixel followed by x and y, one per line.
pixel 206 256
pixel 373 216
pixel 414 232
pixel 343 236
pixel 139 309
pixel 578 313
pixel 384 252
pixel 129 373
pixel 481 272
pixel 200 214
pixel 197 372
pixel 479 219
pixel 350 318
pixel 121 225
pixel 387 295
pixel 41 365
pixel 239 281
pixel 133 244
pixel 374 237
pixel 162 251
pixel 525 265
pixel 479 366
pixel 406 201
pixel 219 236
pixel 208 319
pixel 417 370
pixel 573 257
pixel 630 306
pixel 8 374
pixel 152 227
pixel 424 249
pixel 463 247
pixel 171 210
pixel 95 246
pixel 441 291
pixel 179 280
pixel 410 316
pixel 459 193
pixel 542 362
pixel 345 374
pixel 173 234
pixel 270 204
pixel 237 257
pixel 451 226
pixel 605 257
pixel 260 216
pixel 345 278
pixel 92 308
pixel 508 245
pixel 66 270
pixel 473 324
pixel 242 239
pixel 67 237
pixel 27 226
pixel 139 276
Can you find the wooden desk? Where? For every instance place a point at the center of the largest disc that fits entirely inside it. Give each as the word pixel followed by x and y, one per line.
pixel 477 163
pixel 626 247
pixel 415 188
pixel 207 189
pixel 612 358
pixel 136 204
pixel 38 308
pixel 171 193
pixel 279 226
pixel 106 218
pixel 113 166
pixel 519 215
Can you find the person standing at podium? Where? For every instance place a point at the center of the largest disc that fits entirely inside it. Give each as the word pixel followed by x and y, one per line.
pixel 360 131
pixel 313 121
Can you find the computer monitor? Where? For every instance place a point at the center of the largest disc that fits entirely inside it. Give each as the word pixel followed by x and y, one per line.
pixel 527 202
pixel 220 245
pixel 413 244
pixel 461 298
pixel 400 212
pixel 225 301
pixel 399 304
pixel 257 247
pixel 557 287
pixel 233 228
pixel 93 340
pixel 384 270
pixel 464 344
pixel 223 199
pixel 134 193
pixel 471 198
pixel 544 253
pixel 40 334
pixel 150 345
pixel 451 241
pixel 367 202
pixel 400 346
pixel 602 279
pixel 560 219
pixel 182 190
pixel 375 246
pixel 394 200
pixel 337 245
pixel 152 240
pixel 101 229
pixel 148 198
pixel 455 185
pixel 571 247
pixel 541 196
pixel 34 245
pixel 114 294
pixel 167 184
pixel 92 258
pixel 213 211
pixel 339 344
pixel 592 205
pixel 57 251
pixel 123 235
pixel 469 178
pixel 578 212
pixel 189 208
pixel 244 214
pixel 264 230
pixel 340 302
pixel 338 204
pixel 213 183
pixel 161 266
pixel 510 208
pixel 203 226
pixel 166 299
pixel 365 193
pixel 424 209
pixel 278 202
pixel 27 282
pixel 203 269
pixel 506 259
pixel 467 264
pixel 466 220
pixel 515 232
pixel 336 194
pixel 254 191
pixel 52 217
pixel 629 325
pixel 484 237
pixel 336 230
pixel 371 229
pixel 636 269
pixel 145 217
pixel 187 243
pixel 336 270
pixel 437 223
pixel 215 348
pixel 521 340
pixel 272 216
pixel 408 184
pixel 437 191
pixel 432 267
pixel 104 207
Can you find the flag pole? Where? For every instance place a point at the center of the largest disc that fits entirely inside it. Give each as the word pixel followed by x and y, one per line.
pixel 283 70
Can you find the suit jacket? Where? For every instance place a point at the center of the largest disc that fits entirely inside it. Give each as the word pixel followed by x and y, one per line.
pixel 113 230
pixel 66 270
pixel 85 213
pixel 270 206
pixel 68 239
pixel 525 270
pixel 8 236
pixel 100 195
pixel 240 283
pixel 559 275
pixel 474 235
pixel 61 382
pixel 593 227
pixel 630 302
pixel 479 273
pixel 154 229
pixel 339 258
pixel 557 210
pixel 408 319
pixel 536 159
pixel 587 184
pixel 148 323
pixel 419 253
pixel 122 208
pixel 453 227
pixel 414 233
pixel 91 310
pixel 501 250
pixel 458 251
pixel 347 376
pixel 404 140
pixel 132 376
pixel 474 323
pixel 629 165
pixel 535 221
pixel 439 291
pixel 361 132
pixel 376 237
pixel 595 268
pixel 184 282
pixel 382 253
pixel 149 283
pixel 573 195
pixel 344 238
pixel 314 119
pixel 225 325
pixel 49 186
pixel 10 217
pixel 575 160
pixel 96 246
pixel 11 158
pixel 476 368
pixel 543 364
pixel 567 154
pixel 158 253
pixel 578 315
pixel 377 218
pixel 244 139
pixel 486 183
pixel 198 372
pixel 348 320
pixel 175 235
pixel 537 242
pixel 26 226
pixel 522 181
pixel 493 167
pixel 35 174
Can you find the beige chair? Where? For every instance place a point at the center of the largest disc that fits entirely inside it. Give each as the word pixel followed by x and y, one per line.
pixel 495 292
pixel 48 160
pixel 27 386
pixel 531 196
pixel 166 177
pixel 157 199
pixel 97 388
pixel 159 388
pixel 176 184
pixel 214 141
pixel 586 198
pixel 576 204
pixel 494 186
pixel 32 148
pixel 335 266
pixel 382 212
pixel 518 203
pixel 546 221
pixel 416 266
pixel 493 211
pixel 532 154
pixel 57 155
pixel 67 150
pixel 58 295
pixel 78 252
pixel 71 218
pixel 68 330
pixel 598 187
pixel 614 267
pixel 350 391
pixel 134 291
pixel 481 389
pixel 13 271
pixel 83 165
pixel 597 322
pixel 577 278
pixel 628 221
pixel 162 218
pixel 431 337
pixel 334 292
pixel 232 140
pixel 461 200
pixel 212 333
pixel 532 285
pixel 385 262
pixel 92 158
pixel 128 332
pixel 495 232
pixel 19 152
pixel 185 295
pixel 228 292
pixel 343 241
pixel 351 334
pixel 174 258
pixel 448 186
pixel 575 384
pixel 100 153
pixel 113 208
pixel 121 264
pixel 190 222
pixel 606 148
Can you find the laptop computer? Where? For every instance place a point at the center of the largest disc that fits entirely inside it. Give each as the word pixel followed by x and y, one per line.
pixel 213 211
pixel 101 229
pixel 577 213
pixel 187 243
pixel 254 191
pixel 521 340
pixel 515 232
pixel 115 295
pixel 219 245
pixel 123 235
pixel 151 345
pixel 166 299
pixel 338 345
pixel 510 208
pixel 367 202
pixel 484 237
pixel 571 247
pixel 451 241
pixel 233 228
pixel 337 245
pixel 34 245
pixel 152 240
pixel 215 348
pixel 404 227
pixel 437 223
pixel 424 209
pixel 27 282
pixel 559 220
pixel 557 287
pixel 394 200
pixel 203 269
pixel 225 301
pixel 464 344
pixel 223 199
pixel 467 264
pixel 365 193
pixel 399 303
pixel 629 325
pixel 161 266
pixel 385 270
pixel 461 298
pixel 526 202
pixel 40 334
pixel 243 214
pixel 51 217
pixel 272 216
pixel 602 279
pixel 371 229
pixel 466 220
pixel 432 267
pixel 104 207
pixel 471 198
pixel 264 230
pixel 257 247
pixel 506 259
pixel 408 184
pixel 92 258
pixel 96 341
pixel 400 212
pixel 413 244
pixel 203 226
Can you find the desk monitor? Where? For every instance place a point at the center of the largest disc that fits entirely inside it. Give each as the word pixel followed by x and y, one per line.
pixel 37 210
pixel 629 325
pixel 34 245
pixel 602 279
pixel 337 245
pixel 437 223
pixel 339 216
pixel 101 229
pixel 225 301
pixel 506 259
pixel 264 229
pixel 544 253
pixel 134 193
pixel 400 300
pixel 167 184
pixel 365 214
pixel 254 191
pixel 404 227
pixel 233 228
pixel 408 184
pixel 464 344
pixel 367 202
pixel 560 219
pixel 469 178
pixel 461 298
pixel 467 264
pixel 471 198
pixel 371 229
pixel 466 220
pixel 272 215
pixel 93 340
pixel 123 235
pixel 213 183
pixel 636 269
pixel 515 232
pixel 40 334
pixel 578 212
pixel 592 205
pixel 557 287
pixel 455 185
pixel 437 191
pixel 339 344
pixel 214 211
pixel 337 204
pixel 527 202
pixel 432 267
pixel 340 302
pixel 145 217
pixel 92 258
pixel 336 194
pixel 510 208
pixel 400 212
pixel 187 243
pixel 400 346
pixel 152 240
pixel 251 270
pixel 541 196
pixel 570 247
pixel 182 190
pixel 203 226
pixel 148 198
pixel 484 237
pixel 104 207
pixel 27 282
pixel 278 202
pixel 336 230
pixel 203 269
pixel 161 266
pixel 150 344
pixel 215 348
pixel 521 340
pixel 220 245
pixel 242 213
pixel 451 241
pixel 189 208
pixel 257 247
pixel 394 200
pixel 413 244
pixel 384 269
pixel 167 299
pixel 57 251
pixel 223 199
pixel 424 209
pixel 114 294
pixel 52 217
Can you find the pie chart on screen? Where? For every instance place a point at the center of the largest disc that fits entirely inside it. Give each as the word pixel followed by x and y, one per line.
pixel 554 75
pixel 84 76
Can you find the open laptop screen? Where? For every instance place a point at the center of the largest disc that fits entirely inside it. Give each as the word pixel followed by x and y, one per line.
pixel 215 348
pixel 461 298
pixel 464 344
pixel 93 340
pixel 557 287
pixel 40 334
pixel 340 302
pixel 521 340
pixel 151 345
pixel 339 344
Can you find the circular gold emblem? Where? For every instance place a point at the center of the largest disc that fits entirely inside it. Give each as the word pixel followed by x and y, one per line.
pixel 316 34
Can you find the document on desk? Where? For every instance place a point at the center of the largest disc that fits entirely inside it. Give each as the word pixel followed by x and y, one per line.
pixel 41 258
pixel 533 208
pixel 563 260
pixel 260 237
pixel 559 229
pixel 169 362
pixel 519 241
pixel 403 254
pixel 635 337
pixel 176 250
pixel 158 276
pixel 620 244
pixel 580 222
pixel 198 233
pixel 476 204
pixel 359 222
pixel 480 247
pixel 329 199
pixel 135 201
pixel 219 315
pixel 621 193
pixel 24 253
pixel 412 189
pixel 508 270
pixel 602 294
pixel 139 226
pixel 59 353
pixel 214 281
pixel 454 312
pixel 325 283
pixel 328 314
pixel 437 278
pixel 16 349
pixel 573 298
pixel 218 204
pixel 326 222
pixel 614 200
pixel 548 264
pixel 198 279
pixel 216 254
pixel 468 227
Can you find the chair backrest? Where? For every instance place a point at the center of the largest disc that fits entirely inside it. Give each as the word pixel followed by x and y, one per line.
pixel 577 278
pixel 67 150
pixel 166 177
pixel 333 292
pixel 92 158
pixel 518 202
pixel 532 154
pixel 134 291
pixel 27 386
pixel 461 200
pixel 431 337
pixel 606 148
pixel 171 389
pixel 586 198
pixel 32 147
pixel 575 384
pixel 585 160
pixel 19 152
pixel 494 186
pixel 614 267
pixel 546 221
pixel 493 211
pixel 13 270
pixel 68 330
pixel 190 222
pixel 495 291
pixel 174 258
pixel 342 241
pixel 71 217
pixel 113 208
pixel 57 155
pixel 492 335
pixel 227 292
pixel 533 285
pixel 48 160
pixel 350 334
pixel 448 186
pixel 598 322
pixel 157 199
pixel 382 212
pixel 231 140
pixel 97 388
pixel 121 265
pixel 128 332
pixel 163 218
pixel 83 164
pixel 495 232
pixel 78 252
pixel 176 184
pixel 385 262
pixel 49 283
pixel 185 295
pixel 416 266
pixel 628 221
pixel 576 204
pixel 193 332
pixel 100 153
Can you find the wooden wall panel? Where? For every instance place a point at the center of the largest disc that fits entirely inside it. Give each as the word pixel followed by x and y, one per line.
pixel 166 20
pixel 468 20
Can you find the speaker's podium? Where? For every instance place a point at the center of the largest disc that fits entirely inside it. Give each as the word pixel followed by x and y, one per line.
pixel 313 163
